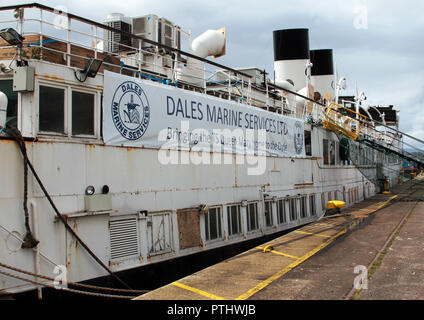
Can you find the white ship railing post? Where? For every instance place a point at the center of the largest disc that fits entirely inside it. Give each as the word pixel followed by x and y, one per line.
pixel 229 85
pixel 68 49
pixel 204 76
pixel 41 34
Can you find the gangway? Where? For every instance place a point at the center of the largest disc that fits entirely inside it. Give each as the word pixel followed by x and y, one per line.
pixel 356 131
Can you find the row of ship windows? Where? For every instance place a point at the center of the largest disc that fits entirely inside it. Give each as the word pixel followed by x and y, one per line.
pixel 288 209
pixel 335 153
pixel 125 237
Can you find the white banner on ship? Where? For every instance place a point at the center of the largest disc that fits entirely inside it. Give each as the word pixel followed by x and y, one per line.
pixel 142 113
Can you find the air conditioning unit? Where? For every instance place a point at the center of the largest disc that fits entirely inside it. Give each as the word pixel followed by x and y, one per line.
pixel 166 32
pixel 115 41
pixel 156 29
pixel 146 27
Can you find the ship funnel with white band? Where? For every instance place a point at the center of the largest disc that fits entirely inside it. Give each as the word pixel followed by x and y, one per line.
pixel 322 72
pixel 209 43
pixel 291 57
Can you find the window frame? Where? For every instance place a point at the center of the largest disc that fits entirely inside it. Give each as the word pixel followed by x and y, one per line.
pixel 219 224
pixel 96 119
pixel 270 214
pixel 294 201
pixel 308 142
pixel 323 202
pixel 312 205
pixel 303 203
pixel 65 111
pixel 256 206
pixel 167 215
pixel 325 153
pixel 229 224
pixel 68 89
pixel 284 202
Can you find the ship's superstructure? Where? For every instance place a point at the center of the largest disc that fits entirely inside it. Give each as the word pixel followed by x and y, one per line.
pixel 150 153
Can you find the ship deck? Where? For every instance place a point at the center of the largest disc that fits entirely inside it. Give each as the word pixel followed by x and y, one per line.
pixel 382 235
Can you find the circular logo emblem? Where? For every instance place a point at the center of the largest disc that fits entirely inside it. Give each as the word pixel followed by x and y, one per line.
pixel 298 137
pixel 130 110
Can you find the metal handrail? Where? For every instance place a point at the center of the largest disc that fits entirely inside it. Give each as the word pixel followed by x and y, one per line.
pixel 137 60
pixel 105 27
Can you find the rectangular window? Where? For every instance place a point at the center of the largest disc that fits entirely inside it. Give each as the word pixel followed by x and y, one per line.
pixel 83 113
pixel 6 86
pixel 52 109
pixel 308 143
pixel 325 151
pixel 268 213
pixel 252 216
pixel 337 152
pixel 281 208
pixel 312 205
pixel 159 232
pixel 332 153
pixel 303 206
pixel 293 209
pixel 343 150
pixel 233 219
pixel 213 224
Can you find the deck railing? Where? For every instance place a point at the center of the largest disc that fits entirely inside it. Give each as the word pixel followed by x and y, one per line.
pixel 59 37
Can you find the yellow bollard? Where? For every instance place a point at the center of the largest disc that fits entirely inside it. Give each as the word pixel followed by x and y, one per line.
pixel 386 187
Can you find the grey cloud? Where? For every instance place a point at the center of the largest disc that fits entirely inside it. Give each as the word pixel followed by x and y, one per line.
pixel 385 59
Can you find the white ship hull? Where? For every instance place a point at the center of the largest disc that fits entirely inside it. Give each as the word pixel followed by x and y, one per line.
pixel 139 182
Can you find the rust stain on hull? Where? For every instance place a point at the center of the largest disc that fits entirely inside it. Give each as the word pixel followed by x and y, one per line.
pixel 47 76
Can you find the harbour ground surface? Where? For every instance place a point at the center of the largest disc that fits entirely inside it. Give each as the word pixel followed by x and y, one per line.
pixel 373 251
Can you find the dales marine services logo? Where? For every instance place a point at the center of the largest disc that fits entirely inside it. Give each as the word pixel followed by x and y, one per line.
pixel 130 110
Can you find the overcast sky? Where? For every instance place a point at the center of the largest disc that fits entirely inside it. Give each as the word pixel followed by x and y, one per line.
pixel 378 44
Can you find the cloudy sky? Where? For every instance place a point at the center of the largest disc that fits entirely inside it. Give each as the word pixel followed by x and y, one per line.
pixel 377 44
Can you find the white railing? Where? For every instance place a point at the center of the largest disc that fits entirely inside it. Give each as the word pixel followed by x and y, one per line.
pixel 75 32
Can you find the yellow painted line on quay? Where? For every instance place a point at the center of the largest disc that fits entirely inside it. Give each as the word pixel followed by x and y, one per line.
pixel 285 270
pixel 280 253
pixel 198 291
pixel 292 265
pixel 313 234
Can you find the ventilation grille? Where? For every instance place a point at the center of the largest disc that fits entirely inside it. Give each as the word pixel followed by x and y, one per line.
pixel 123 238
